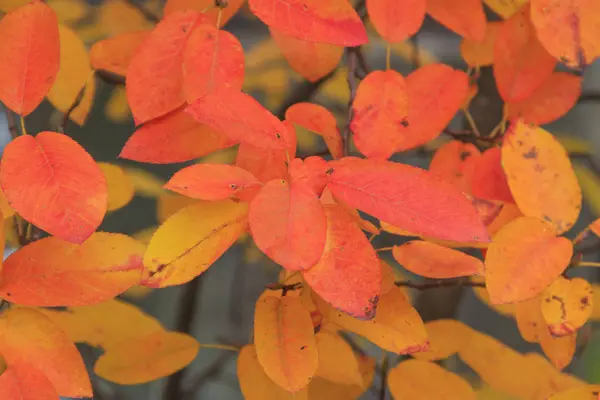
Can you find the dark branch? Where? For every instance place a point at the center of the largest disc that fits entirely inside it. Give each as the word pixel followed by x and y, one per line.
pixel 439 284
pixel 65 120
pixel 592 97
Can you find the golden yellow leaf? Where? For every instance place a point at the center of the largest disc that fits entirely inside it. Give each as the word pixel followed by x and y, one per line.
pixel 119 185
pixel 80 113
pixel 337 361
pixel 446 337
pixel 168 204
pixel 117 108
pixel 567 305
pixel 588 392
pixel 322 389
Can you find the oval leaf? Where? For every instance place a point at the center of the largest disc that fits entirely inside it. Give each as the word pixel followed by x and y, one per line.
pixel 567 305
pixel 481 53
pixel 455 162
pixel 119 185
pixel 319 120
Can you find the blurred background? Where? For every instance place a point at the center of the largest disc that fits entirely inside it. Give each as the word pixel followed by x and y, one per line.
pixel 218 306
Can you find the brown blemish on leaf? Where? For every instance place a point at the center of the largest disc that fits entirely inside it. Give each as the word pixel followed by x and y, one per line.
pixel 531 154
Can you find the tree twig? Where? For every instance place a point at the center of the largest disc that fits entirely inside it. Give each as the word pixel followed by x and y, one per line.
pixel 65 120
pixel 469 136
pixel 439 284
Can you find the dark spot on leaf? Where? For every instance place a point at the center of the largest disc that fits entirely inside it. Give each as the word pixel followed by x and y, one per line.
pixel 329 171
pixel 303 347
pixel 233 186
pixel 531 154
pixel 464 155
pixel 520 142
pixel 404 123
pixel 538 168
pixel 277 135
pixel 547 218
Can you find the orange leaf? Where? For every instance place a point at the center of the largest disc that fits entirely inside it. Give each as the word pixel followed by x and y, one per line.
pixel 212 181
pixel 21 381
pixel 312 170
pixel 521 64
pixel 568 29
pixel 207 7
pixel 285 341
pixel 436 92
pixel 416 380
pixel 446 337
pixel 465 17
pixel 587 392
pixel 379 110
pixel 212 58
pixel 241 118
pixel 557 95
pixel 489 180
pixel 176 137
pixel 319 120
pixel 192 239
pixel 288 224
pixel 434 261
pixel 508 213
pixel 505 8
pixel 29 51
pixel 455 162
pixel 147 358
pixel 394 20
pixel 312 60
pixel 348 275
pixel 567 305
pixel 334 21
pixel 322 389
pixel 119 185
pixel 540 176
pixel 154 80
pixel 480 53
pixel 28 335
pixel 337 361
pixel 53 173
pixel 525 248
pixel 407 197
pixel 115 54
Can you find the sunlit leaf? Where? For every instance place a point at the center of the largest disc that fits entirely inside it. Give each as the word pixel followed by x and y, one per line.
pixel 207 7
pixel 489 180
pixel 21 381
pixel 588 392
pixel 337 361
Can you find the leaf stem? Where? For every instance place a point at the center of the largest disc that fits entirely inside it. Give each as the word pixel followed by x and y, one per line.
pixel 220 347
pixel 23 129
pixel 388 57
pixel 588 264
pixel 385 249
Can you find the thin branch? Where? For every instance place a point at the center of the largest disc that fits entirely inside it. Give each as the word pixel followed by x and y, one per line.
pixel 145 12
pixel 65 120
pixel 439 284
pixel 385 365
pixel 591 97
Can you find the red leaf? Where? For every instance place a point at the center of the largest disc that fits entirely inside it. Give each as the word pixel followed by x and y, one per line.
pixel 212 58
pixel 332 21
pixel 521 64
pixel 29 54
pixel 406 197
pixel 51 181
pixel 212 181
pixel 288 224
pixel 115 54
pixel 319 120
pixel 240 117
pixel 465 17
pixel 207 7
pixel 21 381
pixel 455 162
pixel 380 110
pixel 489 180
pixel 348 275
pixel 176 137
pixel 154 79
pixel 396 20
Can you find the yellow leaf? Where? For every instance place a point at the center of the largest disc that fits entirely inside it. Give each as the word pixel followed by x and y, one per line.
pixel 446 337
pixel 146 358
pixel 81 111
pixel 168 204
pixel 145 183
pixel 285 341
pixel 567 305
pixel 337 362
pixel 575 145
pixel 416 380
pixel 120 187
pixel 507 310
pixel 117 108
pixel 322 389
pixel 588 392
pixel 192 239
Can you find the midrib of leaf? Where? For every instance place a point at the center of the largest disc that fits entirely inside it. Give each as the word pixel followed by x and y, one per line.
pixel 25 70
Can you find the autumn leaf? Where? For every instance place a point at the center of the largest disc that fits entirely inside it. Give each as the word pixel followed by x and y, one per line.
pixel 115 54
pixel 285 341
pixel 521 64
pixel 587 392
pixel 154 80
pixel 241 118
pixel 22 381
pixel 480 53
pixel 312 170
pixel 379 110
pixel 333 22
pixel 406 197
pixel 465 17
pixel 288 224
pixel 212 58
pixel 319 120
pixel 348 275
pixel 434 261
pixel 192 239
pixel 53 173
pixel 567 305
pixel 505 8
pixel 323 389
pixel 536 165
pixel 455 162
pixel 28 335
pixel 119 185
pixel 396 21
pixel 206 7
pixel 337 361
pixel 176 137
pixel 30 53
pixel 488 180
pixel 524 258
pixel 446 337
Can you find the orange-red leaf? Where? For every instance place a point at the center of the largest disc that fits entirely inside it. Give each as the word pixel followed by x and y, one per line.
pixel 319 120
pixel 207 7
pixel 407 197
pixel 312 60
pixel 29 51
pixel 455 162
pixel 380 112
pixel 396 20
pixel 435 92
pixel 240 117
pixel 212 58
pixel 465 17
pixel 489 180
pixel 51 181
pixel 568 29
pixel 521 64
pixel 154 80
pixel 288 224
pixel 567 305
pixel 176 137
pixel 524 258
pixel 21 381
pixel 285 341
pixel 480 53
pixel 348 275
pixel 212 181
pixel 435 261
pixel 557 95
pixel 312 170
pixel 27 335
pixel 540 176
pixel 115 54
pixel 51 272
pixel 333 21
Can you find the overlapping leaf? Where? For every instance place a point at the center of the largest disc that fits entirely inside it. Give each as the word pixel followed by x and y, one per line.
pixel 21 381
pixel 319 120
pixel 119 185
pixel 207 7
pixel 489 180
